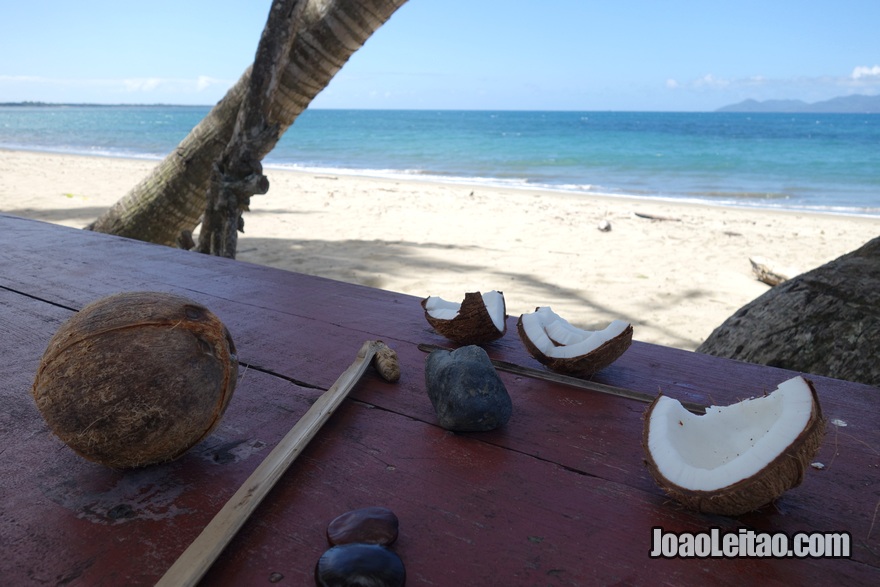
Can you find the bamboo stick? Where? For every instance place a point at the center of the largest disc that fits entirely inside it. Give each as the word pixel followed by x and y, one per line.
pixel 574 381
pixel 195 561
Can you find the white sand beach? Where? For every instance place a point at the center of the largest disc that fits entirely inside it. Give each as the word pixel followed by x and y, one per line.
pixel 675 278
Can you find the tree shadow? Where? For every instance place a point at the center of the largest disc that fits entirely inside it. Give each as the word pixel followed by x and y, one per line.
pixel 402 265
pixel 374 262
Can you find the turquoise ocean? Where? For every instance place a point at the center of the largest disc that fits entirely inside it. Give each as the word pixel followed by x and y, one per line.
pixel 809 162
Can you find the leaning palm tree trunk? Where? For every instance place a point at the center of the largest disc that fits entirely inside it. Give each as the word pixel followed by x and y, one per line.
pixel 167 204
pixel 238 173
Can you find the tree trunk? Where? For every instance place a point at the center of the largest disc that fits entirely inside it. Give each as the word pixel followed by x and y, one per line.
pixel 826 322
pixel 167 204
pixel 238 174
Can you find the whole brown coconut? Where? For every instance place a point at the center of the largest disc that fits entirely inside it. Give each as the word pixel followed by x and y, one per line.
pixel 136 378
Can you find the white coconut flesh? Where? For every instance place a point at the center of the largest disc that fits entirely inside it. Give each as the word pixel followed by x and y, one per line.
pixel 557 338
pixel 444 310
pixel 441 309
pixel 727 444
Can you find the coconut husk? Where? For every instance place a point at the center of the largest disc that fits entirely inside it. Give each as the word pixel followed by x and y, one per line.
pixel 583 365
pixel 472 325
pixel 136 378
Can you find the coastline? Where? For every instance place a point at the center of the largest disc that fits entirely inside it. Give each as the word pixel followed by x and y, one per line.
pixel 675 277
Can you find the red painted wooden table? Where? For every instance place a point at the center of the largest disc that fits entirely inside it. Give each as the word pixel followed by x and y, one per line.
pixel 560 496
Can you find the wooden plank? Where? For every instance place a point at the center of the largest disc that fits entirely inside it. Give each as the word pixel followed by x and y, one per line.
pixel 321 313
pixel 500 516
pixel 84 512
pixel 568 460
pixel 49 255
pixel 480 515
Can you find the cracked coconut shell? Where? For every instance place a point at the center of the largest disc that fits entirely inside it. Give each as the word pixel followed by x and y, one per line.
pixel 737 458
pixel 136 378
pixel 563 348
pixel 478 319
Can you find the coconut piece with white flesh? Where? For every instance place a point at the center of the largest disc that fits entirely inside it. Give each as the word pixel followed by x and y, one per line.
pixel 478 319
pixel 564 348
pixel 737 458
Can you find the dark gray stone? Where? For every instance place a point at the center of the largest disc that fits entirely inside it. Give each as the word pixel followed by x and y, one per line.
pixel 825 322
pixel 360 565
pixel 370 525
pixel 465 390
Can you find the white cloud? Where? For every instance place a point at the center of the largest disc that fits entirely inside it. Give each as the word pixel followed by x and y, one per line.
pixel 142 84
pixel 203 82
pixel 861 78
pixel 172 85
pixel 710 81
pixel 128 85
pixel 861 72
pixel 201 89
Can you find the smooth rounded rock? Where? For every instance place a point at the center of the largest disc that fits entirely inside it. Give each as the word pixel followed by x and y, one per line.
pixel 370 525
pixel 360 565
pixel 466 391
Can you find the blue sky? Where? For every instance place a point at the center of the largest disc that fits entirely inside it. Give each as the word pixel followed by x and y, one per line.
pixel 458 54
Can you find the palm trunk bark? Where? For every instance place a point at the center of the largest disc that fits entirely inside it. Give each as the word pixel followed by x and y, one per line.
pixel 238 173
pixel 168 203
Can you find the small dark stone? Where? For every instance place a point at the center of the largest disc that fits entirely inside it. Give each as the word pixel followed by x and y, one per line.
pixel 372 525
pixel 465 390
pixel 360 565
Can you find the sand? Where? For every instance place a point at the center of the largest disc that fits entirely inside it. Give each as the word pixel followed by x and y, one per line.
pixel 676 278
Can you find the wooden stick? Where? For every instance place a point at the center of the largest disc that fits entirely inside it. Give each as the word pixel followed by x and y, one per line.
pixel 201 554
pixel 656 217
pixel 574 381
pixel 770 272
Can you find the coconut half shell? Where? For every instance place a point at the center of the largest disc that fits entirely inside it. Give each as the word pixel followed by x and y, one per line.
pixel 564 348
pixel 478 319
pixel 738 458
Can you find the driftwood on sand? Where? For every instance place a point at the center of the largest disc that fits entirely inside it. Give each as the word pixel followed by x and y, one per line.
pixel 656 217
pixel 771 272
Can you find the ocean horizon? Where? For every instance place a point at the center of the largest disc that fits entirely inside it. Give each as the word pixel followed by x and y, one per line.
pixel 809 162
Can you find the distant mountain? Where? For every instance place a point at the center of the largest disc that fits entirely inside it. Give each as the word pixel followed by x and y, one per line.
pixel 855 104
